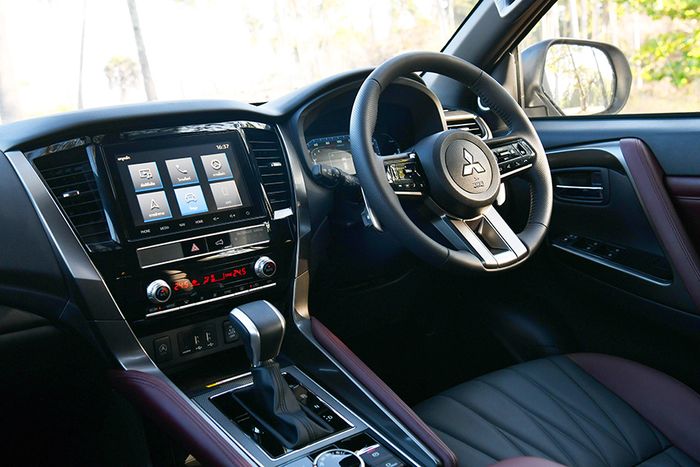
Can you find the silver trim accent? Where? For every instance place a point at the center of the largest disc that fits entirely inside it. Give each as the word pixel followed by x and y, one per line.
pixel 368 217
pixel 457 115
pixel 356 423
pixel 152 289
pixel 259 267
pixel 352 453
pixel 282 214
pixel 576 187
pixel 232 251
pixel 239 315
pixel 128 351
pixel 223 297
pixel 513 172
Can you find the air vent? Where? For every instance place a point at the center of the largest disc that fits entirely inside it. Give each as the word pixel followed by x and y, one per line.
pixel 272 165
pixel 70 179
pixel 460 120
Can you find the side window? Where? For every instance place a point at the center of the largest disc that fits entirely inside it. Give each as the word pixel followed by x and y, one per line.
pixel 588 57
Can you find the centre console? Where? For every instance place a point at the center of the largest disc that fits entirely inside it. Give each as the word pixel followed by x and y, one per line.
pixel 165 232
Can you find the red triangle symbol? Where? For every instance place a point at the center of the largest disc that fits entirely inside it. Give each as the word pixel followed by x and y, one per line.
pixel 195 248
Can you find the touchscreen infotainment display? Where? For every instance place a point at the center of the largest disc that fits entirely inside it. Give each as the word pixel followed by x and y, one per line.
pixel 182 182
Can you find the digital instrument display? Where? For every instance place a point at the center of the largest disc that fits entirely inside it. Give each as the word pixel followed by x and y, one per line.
pixel 335 150
pixel 183 186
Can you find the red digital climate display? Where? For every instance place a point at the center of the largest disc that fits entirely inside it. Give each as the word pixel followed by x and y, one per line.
pixel 188 284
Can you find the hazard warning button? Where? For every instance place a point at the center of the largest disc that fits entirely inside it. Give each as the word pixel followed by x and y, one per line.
pixel 194 247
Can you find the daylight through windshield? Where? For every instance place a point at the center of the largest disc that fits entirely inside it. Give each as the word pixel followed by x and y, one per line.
pixel 80 53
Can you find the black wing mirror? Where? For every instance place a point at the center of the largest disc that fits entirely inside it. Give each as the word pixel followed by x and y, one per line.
pixel 574 77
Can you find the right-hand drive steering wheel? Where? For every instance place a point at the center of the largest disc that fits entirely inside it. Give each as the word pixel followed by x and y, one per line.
pixel 461 172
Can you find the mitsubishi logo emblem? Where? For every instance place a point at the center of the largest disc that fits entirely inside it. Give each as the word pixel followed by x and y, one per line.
pixel 470 167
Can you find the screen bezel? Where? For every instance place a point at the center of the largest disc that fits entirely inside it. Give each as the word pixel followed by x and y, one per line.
pixel 122 188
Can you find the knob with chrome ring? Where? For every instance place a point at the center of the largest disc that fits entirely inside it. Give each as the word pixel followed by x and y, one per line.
pixel 158 291
pixel 338 458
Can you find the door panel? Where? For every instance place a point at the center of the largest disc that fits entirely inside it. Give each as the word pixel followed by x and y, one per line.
pixel 641 234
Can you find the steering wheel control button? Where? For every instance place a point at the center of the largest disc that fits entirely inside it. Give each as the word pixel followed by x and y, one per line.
pixel 265 267
pixel 158 291
pixel 162 349
pixel 514 156
pixel 468 166
pixel 338 458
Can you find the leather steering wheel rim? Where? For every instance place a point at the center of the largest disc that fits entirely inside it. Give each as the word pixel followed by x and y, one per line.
pixel 385 203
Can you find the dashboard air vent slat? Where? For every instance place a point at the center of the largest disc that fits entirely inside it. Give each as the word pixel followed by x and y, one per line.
pixel 460 120
pixel 272 165
pixel 70 179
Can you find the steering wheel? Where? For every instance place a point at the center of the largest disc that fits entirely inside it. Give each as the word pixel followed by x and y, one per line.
pixel 455 174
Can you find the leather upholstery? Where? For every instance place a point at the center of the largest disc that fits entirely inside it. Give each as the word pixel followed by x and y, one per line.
pixel 648 177
pixel 551 409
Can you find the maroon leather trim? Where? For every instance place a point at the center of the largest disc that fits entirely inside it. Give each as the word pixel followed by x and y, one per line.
pixel 671 406
pixel 686 196
pixel 160 402
pixel 382 392
pixel 649 179
pixel 685 187
pixel 526 462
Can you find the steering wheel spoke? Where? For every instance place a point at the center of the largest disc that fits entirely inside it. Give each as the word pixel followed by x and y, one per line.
pixel 514 155
pixel 488 237
pixel 405 174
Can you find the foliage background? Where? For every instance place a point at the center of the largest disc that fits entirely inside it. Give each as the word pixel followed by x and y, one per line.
pixel 661 39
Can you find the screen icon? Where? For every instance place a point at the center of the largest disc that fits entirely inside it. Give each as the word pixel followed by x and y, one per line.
pixel 182 171
pixel 226 195
pixel 216 166
pixel 145 176
pixel 154 206
pixel 191 200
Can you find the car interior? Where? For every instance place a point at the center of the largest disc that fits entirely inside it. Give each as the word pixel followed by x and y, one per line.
pixel 428 262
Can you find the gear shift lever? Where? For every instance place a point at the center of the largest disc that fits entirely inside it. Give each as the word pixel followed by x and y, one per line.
pixel 261 328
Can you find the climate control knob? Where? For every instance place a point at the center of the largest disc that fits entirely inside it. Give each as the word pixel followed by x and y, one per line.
pixel 159 291
pixel 265 267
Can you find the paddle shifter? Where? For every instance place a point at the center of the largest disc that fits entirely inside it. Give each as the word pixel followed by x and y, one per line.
pixel 261 329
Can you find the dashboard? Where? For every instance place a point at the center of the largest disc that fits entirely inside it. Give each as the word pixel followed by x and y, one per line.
pixel 141 227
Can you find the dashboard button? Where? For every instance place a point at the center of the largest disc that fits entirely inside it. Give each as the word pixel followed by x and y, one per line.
pixel 194 247
pixel 162 349
pixel 219 242
pixel 226 195
pixel 216 166
pixel 154 206
pixel 191 200
pixel 265 267
pixel 230 334
pixel 182 171
pixel 158 291
pixel 145 176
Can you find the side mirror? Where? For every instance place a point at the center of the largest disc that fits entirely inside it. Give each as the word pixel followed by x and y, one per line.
pixel 574 77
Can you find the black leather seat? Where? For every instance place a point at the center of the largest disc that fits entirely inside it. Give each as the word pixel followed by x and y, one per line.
pixel 578 410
